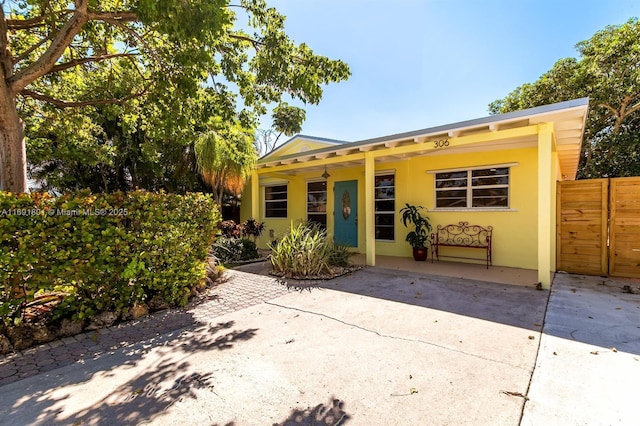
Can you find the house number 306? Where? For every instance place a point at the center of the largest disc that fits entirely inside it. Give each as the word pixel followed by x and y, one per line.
pixel 441 143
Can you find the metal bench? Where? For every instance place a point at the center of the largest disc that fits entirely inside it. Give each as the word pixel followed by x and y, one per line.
pixel 462 235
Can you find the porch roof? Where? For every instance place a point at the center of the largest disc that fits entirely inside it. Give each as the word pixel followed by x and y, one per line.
pixel 502 131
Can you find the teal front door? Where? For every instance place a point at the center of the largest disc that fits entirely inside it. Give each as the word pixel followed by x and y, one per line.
pixel 345 213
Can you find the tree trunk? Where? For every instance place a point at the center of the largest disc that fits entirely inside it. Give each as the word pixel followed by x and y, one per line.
pixel 13 156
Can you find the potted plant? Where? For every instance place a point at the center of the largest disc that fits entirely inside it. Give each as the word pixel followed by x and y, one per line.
pixel 419 237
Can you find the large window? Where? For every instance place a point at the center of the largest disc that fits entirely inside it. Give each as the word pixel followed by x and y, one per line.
pixel 317 202
pixel 275 201
pixel 385 207
pixel 476 188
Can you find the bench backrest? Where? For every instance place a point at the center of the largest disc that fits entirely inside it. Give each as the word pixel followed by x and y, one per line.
pixel 464 234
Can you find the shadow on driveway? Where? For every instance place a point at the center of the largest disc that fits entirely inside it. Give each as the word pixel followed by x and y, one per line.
pixel 166 379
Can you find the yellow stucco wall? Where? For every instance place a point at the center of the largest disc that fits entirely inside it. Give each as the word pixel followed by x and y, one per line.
pixel 515 231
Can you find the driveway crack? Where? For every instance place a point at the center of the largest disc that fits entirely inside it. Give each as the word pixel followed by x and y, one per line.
pixel 388 336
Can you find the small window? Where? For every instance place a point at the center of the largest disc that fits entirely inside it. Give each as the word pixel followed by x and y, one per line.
pixel 385 207
pixel 317 202
pixel 275 201
pixel 480 188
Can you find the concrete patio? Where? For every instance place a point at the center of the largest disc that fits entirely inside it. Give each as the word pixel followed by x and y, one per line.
pixel 471 271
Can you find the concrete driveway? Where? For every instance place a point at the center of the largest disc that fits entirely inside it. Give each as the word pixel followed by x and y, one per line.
pixel 588 368
pixel 378 347
pixel 375 347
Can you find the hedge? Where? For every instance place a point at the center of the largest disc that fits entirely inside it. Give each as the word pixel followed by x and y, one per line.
pixel 102 252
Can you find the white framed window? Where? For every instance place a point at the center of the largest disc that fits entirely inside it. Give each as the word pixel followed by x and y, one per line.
pixel 477 188
pixel 317 202
pixel 275 201
pixel 385 206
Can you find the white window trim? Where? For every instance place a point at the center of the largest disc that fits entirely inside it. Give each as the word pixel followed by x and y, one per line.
pixel 472 209
pixel 469 189
pixel 386 173
pixel 264 196
pixel 464 169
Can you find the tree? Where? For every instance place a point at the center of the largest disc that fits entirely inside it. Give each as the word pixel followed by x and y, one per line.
pixel 266 140
pixel 102 53
pixel 225 158
pixel 608 72
pixel 118 147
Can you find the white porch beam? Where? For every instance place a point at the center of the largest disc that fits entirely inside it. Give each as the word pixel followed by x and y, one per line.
pixel 255 195
pixel 369 231
pixel 545 164
pixel 312 163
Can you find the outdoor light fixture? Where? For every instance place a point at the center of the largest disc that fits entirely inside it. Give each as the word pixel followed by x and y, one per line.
pixel 326 174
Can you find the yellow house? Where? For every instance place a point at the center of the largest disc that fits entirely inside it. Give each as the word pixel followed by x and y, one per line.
pixel 498 171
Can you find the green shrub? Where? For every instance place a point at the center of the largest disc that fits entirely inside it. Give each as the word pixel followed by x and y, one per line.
pixel 307 251
pixel 249 249
pixel 105 251
pixel 229 249
pixel 303 252
pixel 339 255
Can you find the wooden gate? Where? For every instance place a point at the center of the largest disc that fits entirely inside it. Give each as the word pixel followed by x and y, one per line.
pixel 624 227
pixel 598 227
pixel 582 226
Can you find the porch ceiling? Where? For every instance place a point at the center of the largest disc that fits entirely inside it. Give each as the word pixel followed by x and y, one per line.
pixel 504 131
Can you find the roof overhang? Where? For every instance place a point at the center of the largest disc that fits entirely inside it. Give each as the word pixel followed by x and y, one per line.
pixel 512 130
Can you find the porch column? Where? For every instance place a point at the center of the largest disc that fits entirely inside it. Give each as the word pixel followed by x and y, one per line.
pixel 545 141
pixel 369 227
pixel 255 195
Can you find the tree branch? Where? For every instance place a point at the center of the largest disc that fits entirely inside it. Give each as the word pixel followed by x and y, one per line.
pixel 610 108
pixel 55 50
pixel 38 21
pixel 113 16
pixel 75 104
pixel 27 52
pixel 137 37
pixel 76 62
pixel 633 109
pixel 256 44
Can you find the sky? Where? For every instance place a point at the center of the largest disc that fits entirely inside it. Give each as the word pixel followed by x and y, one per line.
pixel 422 63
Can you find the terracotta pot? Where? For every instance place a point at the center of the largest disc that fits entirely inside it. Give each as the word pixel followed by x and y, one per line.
pixel 420 253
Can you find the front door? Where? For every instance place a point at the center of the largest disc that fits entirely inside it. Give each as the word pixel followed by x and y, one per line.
pixel 345 212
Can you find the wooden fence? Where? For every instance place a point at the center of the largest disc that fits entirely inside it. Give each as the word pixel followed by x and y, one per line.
pixel 598 227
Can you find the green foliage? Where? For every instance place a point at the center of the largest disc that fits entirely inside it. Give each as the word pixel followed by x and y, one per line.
pixel 106 251
pixel 233 249
pixel 151 78
pixel 249 250
pixel 306 251
pixel 608 72
pixel 340 255
pixel 227 249
pixel 411 215
pixel 288 119
pixel 225 157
